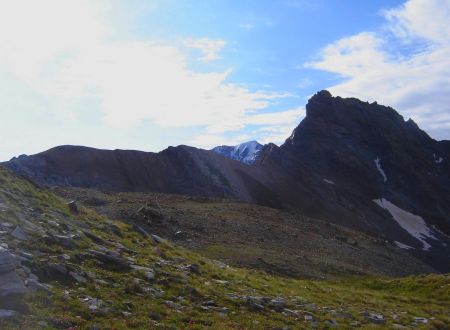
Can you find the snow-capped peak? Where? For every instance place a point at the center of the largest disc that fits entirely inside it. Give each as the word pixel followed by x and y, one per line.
pixel 245 152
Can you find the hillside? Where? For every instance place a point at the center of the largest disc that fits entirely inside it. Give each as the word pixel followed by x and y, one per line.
pixel 64 266
pixel 253 236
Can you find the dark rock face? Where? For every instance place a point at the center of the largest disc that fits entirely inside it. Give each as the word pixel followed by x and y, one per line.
pixel 369 150
pixel 348 162
pixel 347 153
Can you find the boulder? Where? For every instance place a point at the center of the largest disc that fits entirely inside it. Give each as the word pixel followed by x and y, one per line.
pixel 19 234
pixel 8 261
pixel 12 287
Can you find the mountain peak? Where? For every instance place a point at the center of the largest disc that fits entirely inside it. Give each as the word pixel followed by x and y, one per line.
pixel 246 152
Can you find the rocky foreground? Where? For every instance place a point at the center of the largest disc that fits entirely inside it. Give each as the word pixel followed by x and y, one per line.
pixel 63 266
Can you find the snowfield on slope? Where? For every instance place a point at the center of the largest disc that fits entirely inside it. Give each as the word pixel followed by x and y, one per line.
pixel 379 168
pixel 412 223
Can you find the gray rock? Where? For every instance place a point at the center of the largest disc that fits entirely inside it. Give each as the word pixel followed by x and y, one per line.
pixel 19 234
pixel 255 304
pixel 25 255
pixel 376 318
pixel 10 283
pixel 8 261
pixel 278 304
pixel 34 285
pixel 12 290
pixel 157 239
pixel 422 320
pixel 149 273
pixel 5 313
pixel 290 312
pixel 77 277
pixel 93 304
pixel 154 292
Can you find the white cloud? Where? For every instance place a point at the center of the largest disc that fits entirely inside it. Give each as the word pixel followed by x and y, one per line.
pixel 70 55
pixel 210 48
pixel 415 83
pixel 427 19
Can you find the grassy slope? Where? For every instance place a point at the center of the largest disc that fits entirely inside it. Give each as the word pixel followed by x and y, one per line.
pixel 399 300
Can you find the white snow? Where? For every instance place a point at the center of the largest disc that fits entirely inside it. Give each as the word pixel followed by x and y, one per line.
pixel 378 165
pixel 403 246
pixel 292 135
pixel 412 223
pixel 246 152
pixel 437 160
pixel 328 181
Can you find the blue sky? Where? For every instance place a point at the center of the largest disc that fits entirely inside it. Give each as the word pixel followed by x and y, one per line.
pixel 144 75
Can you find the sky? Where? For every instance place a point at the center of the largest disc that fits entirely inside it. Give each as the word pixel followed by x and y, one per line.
pixel 145 75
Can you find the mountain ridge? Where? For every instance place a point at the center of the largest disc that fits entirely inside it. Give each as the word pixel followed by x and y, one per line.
pixel 339 161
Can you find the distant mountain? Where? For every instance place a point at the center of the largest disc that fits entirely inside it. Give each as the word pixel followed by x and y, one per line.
pixel 244 152
pixel 348 162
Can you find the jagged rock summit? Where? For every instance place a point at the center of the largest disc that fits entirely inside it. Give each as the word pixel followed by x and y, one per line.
pixel 246 152
pixel 350 162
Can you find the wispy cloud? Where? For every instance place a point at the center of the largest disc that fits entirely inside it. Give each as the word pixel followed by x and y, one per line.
pixel 72 58
pixel 416 82
pixel 210 49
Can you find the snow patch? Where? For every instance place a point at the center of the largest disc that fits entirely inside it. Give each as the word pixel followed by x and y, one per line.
pixel 378 165
pixel 328 181
pixel 438 160
pixel 412 223
pixel 403 246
